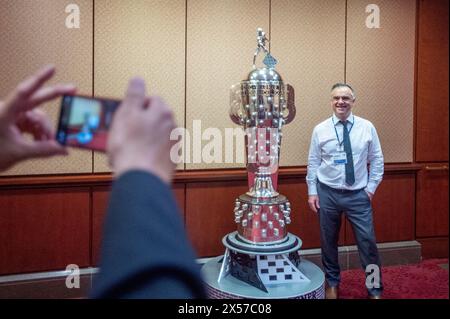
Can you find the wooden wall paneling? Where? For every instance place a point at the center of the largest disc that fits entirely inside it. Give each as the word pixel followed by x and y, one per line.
pixel 393 210
pixel 100 197
pixel 308 39
pixel 432 82
pixel 209 214
pixel 434 247
pixel 140 38
pixel 380 67
pixel 207 209
pixel 221 40
pixel 43 229
pixel 432 201
pixel 33 34
pixel 179 190
pixel 305 223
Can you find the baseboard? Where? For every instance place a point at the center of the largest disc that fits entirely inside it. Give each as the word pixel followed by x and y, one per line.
pixel 391 254
pixel 434 247
pixel 51 285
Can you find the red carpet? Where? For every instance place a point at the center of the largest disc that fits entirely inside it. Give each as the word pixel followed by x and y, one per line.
pixel 426 280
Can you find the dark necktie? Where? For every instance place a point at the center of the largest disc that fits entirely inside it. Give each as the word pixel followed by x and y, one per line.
pixel 349 169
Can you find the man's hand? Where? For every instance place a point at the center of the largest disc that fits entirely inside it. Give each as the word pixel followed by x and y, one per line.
pixel 18 115
pixel 313 201
pixel 140 134
pixel 369 194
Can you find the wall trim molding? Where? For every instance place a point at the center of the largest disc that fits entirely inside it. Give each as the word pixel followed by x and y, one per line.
pixel 404 252
pixel 187 176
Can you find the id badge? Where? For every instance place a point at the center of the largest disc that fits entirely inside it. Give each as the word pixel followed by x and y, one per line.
pixel 340 158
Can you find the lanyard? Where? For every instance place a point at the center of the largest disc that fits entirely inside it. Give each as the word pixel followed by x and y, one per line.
pixel 337 136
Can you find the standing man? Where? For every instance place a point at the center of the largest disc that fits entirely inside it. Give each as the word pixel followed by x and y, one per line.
pixel 339 181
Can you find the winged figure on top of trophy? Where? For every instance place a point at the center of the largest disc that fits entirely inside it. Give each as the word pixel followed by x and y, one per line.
pixel 261 258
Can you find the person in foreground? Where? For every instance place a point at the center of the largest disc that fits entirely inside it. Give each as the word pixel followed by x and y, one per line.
pixel 145 251
pixel 338 181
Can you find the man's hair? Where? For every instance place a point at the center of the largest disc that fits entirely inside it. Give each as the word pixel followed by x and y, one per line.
pixel 339 85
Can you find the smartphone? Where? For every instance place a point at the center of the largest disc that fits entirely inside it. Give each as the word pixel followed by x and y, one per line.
pixel 84 121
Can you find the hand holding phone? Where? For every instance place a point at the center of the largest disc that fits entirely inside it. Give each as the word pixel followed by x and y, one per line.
pixel 84 122
pixel 140 136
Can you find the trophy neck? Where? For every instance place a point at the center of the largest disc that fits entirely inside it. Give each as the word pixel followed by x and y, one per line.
pixel 262 187
pixel 262 146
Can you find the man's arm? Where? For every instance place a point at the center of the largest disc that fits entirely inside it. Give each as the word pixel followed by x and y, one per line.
pixel 376 161
pixel 145 252
pixel 314 161
pixel 145 249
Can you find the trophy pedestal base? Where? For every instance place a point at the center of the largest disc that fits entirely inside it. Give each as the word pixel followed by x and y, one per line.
pixel 230 287
pixel 289 244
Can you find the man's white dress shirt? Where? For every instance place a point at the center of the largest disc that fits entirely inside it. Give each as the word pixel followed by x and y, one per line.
pixel 366 149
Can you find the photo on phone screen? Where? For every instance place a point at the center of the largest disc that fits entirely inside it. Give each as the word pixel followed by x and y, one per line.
pixel 84 122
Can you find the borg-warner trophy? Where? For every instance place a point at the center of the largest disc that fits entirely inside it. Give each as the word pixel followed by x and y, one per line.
pixel 262 259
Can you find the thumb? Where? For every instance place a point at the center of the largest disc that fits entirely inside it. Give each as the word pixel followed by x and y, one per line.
pixel 38 149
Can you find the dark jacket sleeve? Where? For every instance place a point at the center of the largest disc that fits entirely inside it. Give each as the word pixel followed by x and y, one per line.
pixel 145 251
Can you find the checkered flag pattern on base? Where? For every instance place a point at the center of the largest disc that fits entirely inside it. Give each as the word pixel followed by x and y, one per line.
pixel 278 269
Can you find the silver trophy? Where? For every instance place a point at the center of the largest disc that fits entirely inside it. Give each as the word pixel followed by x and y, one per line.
pixel 261 253
pixel 262 104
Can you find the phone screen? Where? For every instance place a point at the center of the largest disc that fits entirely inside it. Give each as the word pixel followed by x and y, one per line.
pixel 84 122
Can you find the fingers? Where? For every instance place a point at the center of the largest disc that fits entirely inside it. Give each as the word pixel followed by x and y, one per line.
pixel 312 206
pixel 37 123
pixel 160 112
pixel 313 202
pixel 17 101
pixel 135 96
pixel 146 102
pixel 163 114
pixel 158 107
pixel 48 94
pixel 37 149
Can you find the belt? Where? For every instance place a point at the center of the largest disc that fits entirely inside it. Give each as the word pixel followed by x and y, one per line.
pixel 340 190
